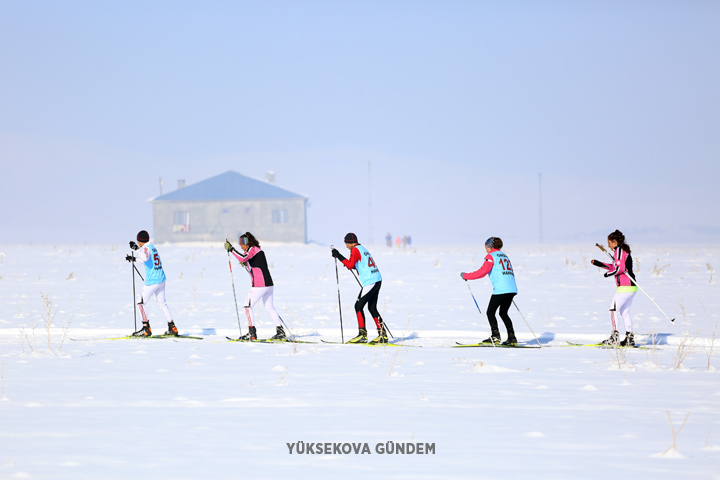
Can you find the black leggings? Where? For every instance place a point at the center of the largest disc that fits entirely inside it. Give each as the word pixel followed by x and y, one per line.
pixel 503 301
pixel 370 299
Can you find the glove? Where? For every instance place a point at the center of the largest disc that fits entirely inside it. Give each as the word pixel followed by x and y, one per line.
pixel 596 263
pixel 229 247
pixel 133 245
pixel 462 275
pixel 608 274
pixel 337 254
pixel 129 258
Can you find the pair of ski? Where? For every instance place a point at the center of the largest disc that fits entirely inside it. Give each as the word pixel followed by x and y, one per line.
pixel 569 344
pixel 604 345
pixel 268 340
pixel 371 344
pixel 151 337
pixel 497 345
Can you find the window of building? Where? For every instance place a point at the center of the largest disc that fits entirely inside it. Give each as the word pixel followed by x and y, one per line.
pixel 279 216
pixel 181 222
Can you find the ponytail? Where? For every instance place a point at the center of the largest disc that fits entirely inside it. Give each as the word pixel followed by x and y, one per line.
pixel 618 236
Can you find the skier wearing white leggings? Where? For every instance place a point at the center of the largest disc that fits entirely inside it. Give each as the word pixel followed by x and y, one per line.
pixel 622 270
pixel 254 261
pixel 154 283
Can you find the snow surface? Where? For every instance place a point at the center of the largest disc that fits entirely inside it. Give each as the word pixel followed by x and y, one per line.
pixel 75 405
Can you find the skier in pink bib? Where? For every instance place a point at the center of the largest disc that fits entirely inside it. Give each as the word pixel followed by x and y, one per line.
pixel 254 261
pixel 622 269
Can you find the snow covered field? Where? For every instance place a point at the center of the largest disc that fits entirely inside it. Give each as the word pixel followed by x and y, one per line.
pixel 77 406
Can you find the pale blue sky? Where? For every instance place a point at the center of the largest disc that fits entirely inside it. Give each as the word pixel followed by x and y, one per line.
pixel 458 105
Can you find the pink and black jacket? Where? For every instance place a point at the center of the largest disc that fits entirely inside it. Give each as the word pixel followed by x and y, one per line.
pixel 621 269
pixel 256 265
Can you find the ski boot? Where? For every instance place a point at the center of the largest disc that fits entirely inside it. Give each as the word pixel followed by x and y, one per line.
pixel 280 334
pixel 382 336
pixel 629 340
pixel 361 338
pixel 144 331
pixel 172 330
pixel 511 340
pixel 612 340
pixel 493 338
pixel 251 336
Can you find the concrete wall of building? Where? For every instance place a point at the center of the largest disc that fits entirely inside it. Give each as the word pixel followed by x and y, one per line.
pixel 213 221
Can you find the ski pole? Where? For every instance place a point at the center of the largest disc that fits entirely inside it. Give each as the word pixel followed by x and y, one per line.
pixel 528 325
pixel 672 320
pixel 232 277
pixel 478 307
pixel 132 252
pixel 356 278
pixel 337 279
pixel 283 322
pixel 387 329
pixel 138 272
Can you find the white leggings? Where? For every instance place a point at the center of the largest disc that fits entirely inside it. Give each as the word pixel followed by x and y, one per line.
pixel 159 291
pixel 621 304
pixel 266 294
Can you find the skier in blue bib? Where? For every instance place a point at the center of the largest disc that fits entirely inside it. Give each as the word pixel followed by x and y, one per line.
pixel 371 280
pixel 498 266
pixel 154 283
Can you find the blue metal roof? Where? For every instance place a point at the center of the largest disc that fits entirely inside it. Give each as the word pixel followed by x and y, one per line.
pixel 228 186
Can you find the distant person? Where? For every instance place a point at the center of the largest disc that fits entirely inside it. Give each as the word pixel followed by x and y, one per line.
pixel 154 283
pixel 254 261
pixel 388 240
pixel 404 241
pixel 409 240
pixel 502 277
pixel 397 241
pixel 371 280
pixel 622 269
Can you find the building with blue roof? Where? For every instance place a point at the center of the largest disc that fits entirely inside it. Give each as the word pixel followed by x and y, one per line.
pixel 226 206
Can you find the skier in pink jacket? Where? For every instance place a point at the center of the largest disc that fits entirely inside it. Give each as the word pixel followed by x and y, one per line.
pixel 254 261
pixel 622 269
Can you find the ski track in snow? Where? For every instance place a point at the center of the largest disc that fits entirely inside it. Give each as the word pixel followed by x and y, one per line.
pixel 75 405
